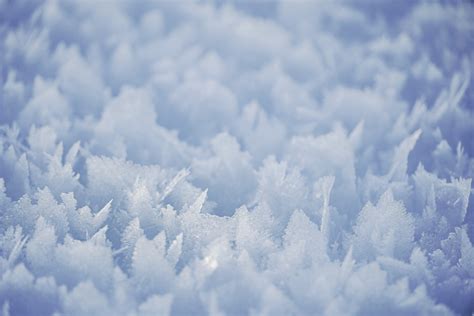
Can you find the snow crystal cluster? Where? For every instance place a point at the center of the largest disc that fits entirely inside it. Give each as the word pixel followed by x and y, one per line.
pixel 236 158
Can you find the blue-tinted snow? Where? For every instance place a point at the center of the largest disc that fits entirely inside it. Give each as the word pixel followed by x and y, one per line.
pixel 242 157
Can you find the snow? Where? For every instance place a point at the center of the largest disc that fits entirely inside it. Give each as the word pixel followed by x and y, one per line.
pixel 236 158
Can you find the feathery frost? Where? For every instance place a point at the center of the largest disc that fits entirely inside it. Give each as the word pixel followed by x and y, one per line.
pixel 236 158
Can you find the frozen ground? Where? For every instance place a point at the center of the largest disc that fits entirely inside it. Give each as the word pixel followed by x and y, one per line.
pixel 267 158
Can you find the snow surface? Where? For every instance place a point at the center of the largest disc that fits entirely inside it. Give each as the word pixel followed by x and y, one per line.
pixel 263 158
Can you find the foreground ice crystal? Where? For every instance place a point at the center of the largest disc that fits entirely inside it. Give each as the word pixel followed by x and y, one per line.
pixel 236 158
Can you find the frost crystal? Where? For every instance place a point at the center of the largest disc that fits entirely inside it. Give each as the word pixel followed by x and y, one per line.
pixel 236 157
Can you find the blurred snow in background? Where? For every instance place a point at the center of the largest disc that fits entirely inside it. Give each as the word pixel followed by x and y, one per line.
pixel 267 158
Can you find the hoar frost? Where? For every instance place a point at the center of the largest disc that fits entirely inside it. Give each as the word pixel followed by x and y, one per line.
pixel 236 158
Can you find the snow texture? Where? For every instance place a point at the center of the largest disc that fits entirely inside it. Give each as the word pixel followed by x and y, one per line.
pixel 236 158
